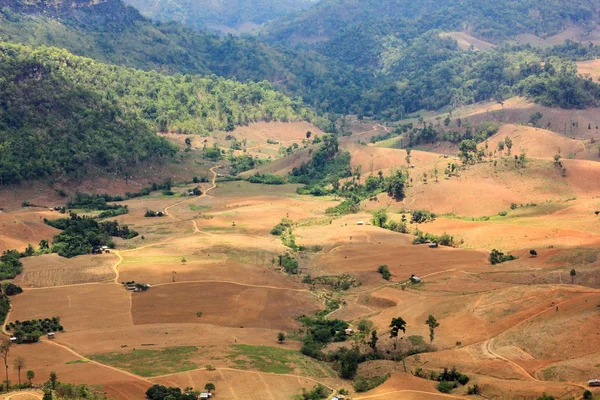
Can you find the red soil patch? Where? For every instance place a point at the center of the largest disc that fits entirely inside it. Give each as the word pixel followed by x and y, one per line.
pixel 224 304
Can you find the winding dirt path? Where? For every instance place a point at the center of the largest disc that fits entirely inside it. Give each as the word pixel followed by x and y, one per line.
pixel 233 283
pixel 214 185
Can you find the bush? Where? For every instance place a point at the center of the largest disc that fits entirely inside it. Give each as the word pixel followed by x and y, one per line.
pixel 10 289
pixel 446 387
pixel 362 384
pixel 385 272
pixel 289 264
pixel 281 227
pixel 267 179
pixel 497 257
pixel 475 389
pixel 420 216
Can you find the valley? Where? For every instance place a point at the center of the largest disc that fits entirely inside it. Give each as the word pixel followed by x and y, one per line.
pixel 218 297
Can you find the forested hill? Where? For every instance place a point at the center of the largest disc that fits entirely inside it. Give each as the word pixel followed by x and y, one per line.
pixel 114 33
pixel 60 113
pixel 218 13
pixel 491 20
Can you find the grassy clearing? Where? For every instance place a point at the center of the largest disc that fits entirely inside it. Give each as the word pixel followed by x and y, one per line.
pixel 577 256
pixel 150 363
pixel 195 207
pixel 276 360
pixel 247 189
pixel 80 361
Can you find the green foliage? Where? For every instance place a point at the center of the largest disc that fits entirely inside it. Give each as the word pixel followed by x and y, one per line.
pixel 380 218
pixel 327 164
pixel 318 392
pixel 320 331
pixel 267 179
pixel 10 289
pixel 420 216
pixel 153 214
pixel 243 163
pixel 497 257
pixel 67 391
pixel 432 324
pixel 10 264
pixel 31 330
pixel 211 13
pixel 385 272
pixel 442 240
pixel 112 111
pixel 282 227
pixel 446 387
pixel 348 363
pixel 289 264
pixel 545 396
pixel 363 384
pixel 82 127
pixel 81 234
pixel 160 392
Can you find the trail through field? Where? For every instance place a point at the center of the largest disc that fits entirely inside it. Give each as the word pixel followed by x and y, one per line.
pixel 214 185
pixel 489 348
pixel 234 283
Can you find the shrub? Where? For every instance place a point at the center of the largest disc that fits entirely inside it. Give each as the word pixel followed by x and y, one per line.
pixel 446 387
pixel 475 389
pixel 385 272
pixel 497 257
pixel 362 384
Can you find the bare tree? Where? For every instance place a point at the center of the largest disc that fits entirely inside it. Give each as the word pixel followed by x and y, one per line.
pixel 19 364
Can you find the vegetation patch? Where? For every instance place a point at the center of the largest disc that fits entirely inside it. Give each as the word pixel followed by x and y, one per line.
pixel 364 384
pixel 30 331
pixel 149 363
pixel 275 360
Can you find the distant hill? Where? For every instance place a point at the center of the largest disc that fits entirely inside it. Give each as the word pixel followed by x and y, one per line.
pixel 114 33
pixel 61 114
pixel 229 16
pixel 493 21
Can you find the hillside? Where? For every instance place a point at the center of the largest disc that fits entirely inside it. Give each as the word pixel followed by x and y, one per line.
pixel 489 20
pixel 237 16
pixel 88 113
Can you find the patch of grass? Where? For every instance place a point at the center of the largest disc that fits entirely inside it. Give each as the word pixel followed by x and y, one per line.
pixel 277 361
pixel 247 189
pixel 577 256
pixel 80 361
pixel 195 207
pixel 416 340
pixel 150 363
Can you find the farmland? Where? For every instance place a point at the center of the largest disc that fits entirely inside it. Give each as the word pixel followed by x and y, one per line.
pixel 218 297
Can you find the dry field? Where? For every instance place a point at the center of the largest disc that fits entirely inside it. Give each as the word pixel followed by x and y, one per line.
pixel 517 329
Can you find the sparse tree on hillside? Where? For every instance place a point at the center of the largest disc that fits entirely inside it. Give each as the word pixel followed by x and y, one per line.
pixel 432 323
pixel 397 325
pixel 533 253
pixel 47 394
pixel 509 143
pixel 573 273
pixel 447 121
pixel 308 134
pixel 373 342
pixel 53 380
pixel 44 244
pixel 188 142
pixel 4 350
pixel 281 337
pixel 19 364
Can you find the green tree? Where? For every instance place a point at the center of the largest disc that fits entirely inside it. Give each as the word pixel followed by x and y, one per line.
pixel 53 381
pixel 349 363
pixel 573 273
pixel 373 342
pixel 380 218
pixel 209 387
pixel 30 375
pixel 432 323
pixel 47 394
pixel 397 325
pixel 281 337
pixel 44 244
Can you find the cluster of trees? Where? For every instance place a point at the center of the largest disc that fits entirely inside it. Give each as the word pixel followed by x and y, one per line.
pixel 31 330
pixel 81 234
pixel 267 179
pixel 10 264
pixel 160 392
pixel 498 257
